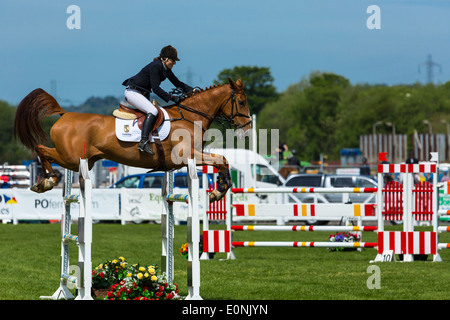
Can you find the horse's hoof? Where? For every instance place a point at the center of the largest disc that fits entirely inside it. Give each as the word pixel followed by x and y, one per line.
pixel 37 188
pixel 215 195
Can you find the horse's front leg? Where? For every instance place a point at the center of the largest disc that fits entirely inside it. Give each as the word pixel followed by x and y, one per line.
pixel 223 179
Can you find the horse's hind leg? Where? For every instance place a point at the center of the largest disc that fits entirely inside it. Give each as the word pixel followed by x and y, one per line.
pixel 51 176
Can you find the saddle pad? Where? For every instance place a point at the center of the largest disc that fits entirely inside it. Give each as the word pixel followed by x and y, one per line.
pixel 129 132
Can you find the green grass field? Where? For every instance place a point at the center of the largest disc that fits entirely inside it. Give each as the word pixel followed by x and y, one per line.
pixel 30 266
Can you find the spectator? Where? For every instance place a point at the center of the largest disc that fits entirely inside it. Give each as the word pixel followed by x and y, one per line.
pixel 445 176
pixel 364 170
pixel 293 160
pixel 411 158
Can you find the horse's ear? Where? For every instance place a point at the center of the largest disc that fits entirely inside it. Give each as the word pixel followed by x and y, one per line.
pixel 238 85
pixel 232 83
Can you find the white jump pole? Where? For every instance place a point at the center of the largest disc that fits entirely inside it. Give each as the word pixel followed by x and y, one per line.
pixel 167 228
pixel 193 234
pixel 82 278
pixel 193 231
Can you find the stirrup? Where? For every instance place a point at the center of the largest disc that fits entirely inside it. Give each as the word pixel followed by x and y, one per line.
pixel 144 146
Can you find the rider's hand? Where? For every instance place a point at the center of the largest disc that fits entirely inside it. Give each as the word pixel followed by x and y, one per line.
pixel 176 99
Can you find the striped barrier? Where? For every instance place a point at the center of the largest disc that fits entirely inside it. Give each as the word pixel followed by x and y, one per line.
pixel 306 210
pixel 193 226
pixel 304 244
pixel 177 198
pixel 319 210
pixel 409 203
pixel 303 190
pixel 83 272
pixel 216 241
pixel 408 242
pixel 304 228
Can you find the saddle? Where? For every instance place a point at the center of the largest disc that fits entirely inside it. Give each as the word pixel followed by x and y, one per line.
pixel 129 113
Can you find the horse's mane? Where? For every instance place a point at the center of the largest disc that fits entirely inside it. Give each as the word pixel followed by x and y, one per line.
pixel 200 91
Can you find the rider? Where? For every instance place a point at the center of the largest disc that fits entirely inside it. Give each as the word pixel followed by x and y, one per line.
pixel 149 79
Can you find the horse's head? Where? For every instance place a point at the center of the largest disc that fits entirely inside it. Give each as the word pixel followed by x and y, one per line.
pixel 236 109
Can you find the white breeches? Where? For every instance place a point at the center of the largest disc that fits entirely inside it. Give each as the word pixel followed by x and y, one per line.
pixel 139 101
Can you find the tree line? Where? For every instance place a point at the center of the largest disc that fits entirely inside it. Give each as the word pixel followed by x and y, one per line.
pixel 321 114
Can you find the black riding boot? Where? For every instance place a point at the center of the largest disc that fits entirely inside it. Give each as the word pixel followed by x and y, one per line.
pixel 144 144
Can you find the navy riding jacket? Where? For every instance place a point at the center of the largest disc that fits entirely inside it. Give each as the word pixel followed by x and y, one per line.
pixel 150 78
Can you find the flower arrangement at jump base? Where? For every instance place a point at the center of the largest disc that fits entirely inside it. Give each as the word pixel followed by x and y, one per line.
pixel 184 249
pixel 343 237
pixel 108 273
pixel 133 282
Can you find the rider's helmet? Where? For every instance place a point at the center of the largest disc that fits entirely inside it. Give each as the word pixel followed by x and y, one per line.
pixel 169 52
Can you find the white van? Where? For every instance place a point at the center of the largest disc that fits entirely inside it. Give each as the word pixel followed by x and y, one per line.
pixel 243 163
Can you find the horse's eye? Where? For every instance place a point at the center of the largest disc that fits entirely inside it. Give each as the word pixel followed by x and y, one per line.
pixel 241 103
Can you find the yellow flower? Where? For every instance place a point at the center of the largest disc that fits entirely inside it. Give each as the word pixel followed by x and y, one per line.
pixel 123 264
pixel 115 261
pixel 129 274
pixel 139 276
pixel 141 269
pixel 151 270
pixel 122 258
pixel 154 278
pixel 100 266
pixel 146 275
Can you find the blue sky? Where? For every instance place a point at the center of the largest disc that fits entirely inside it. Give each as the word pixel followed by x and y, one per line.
pixel 291 37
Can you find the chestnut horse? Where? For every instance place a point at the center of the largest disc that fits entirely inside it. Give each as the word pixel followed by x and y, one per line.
pixel 92 136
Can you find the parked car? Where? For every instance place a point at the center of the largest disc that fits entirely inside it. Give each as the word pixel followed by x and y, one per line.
pixel 154 180
pixel 330 181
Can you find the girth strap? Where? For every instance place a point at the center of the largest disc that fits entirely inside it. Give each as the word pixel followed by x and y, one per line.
pixel 162 166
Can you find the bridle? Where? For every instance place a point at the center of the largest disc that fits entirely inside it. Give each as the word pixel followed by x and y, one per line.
pixel 234 106
pixel 234 112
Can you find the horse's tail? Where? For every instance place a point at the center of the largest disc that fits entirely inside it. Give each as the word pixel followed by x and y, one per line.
pixel 36 106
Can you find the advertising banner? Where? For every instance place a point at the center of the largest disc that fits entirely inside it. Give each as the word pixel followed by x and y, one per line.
pixel 107 204
pixel 147 204
pixel 7 203
pixel 23 204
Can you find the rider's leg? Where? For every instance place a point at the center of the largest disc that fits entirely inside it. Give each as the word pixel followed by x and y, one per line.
pixel 142 103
